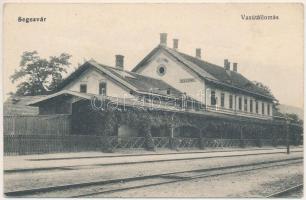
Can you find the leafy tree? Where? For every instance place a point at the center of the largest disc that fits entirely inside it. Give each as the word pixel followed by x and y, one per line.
pixel 38 75
pixel 268 90
pixel 264 87
pixel 296 127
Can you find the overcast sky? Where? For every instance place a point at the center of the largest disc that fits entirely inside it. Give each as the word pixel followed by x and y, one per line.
pixel 268 51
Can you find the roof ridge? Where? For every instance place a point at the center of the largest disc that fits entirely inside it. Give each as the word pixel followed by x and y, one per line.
pixel 133 73
pixel 192 59
pixel 113 71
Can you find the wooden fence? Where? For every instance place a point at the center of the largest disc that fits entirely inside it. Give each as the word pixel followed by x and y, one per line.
pixel 38 144
pixel 37 124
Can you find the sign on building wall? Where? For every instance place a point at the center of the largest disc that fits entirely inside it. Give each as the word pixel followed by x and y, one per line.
pixel 187 80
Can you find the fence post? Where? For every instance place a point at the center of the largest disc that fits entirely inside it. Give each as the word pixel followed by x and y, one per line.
pixel 171 139
pixel 242 144
pixel 148 137
pixel 287 135
pixel 14 125
pixel 201 140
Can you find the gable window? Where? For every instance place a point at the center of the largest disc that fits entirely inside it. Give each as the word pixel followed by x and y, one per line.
pixel 268 109
pixel 256 107
pixel 231 101
pixel 245 104
pixel 102 88
pixel 240 103
pixel 168 91
pixel 251 105
pixel 263 108
pixel 161 70
pixel 222 99
pixel 213 101
pixel 83 88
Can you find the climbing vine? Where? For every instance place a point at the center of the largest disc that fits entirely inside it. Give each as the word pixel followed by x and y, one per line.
pixel 143 119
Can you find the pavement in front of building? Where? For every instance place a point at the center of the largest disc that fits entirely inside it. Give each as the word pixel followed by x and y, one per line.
pixel 93 158
pixel 88 170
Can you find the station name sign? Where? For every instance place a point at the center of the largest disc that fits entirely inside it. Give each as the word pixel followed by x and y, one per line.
pixel 187 80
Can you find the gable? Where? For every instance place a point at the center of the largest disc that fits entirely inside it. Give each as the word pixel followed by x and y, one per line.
pixel 92 79
pixel 208 72
pixel 176 75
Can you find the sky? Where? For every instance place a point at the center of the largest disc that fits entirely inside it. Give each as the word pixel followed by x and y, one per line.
pixel 268 51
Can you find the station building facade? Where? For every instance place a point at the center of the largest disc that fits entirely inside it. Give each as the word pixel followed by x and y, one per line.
pixel 168 94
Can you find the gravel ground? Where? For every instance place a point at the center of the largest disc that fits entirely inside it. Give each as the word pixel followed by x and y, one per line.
pixel 19 181
pixel 23 162
pixel 295 194
pixel 126 152
pixel 259 183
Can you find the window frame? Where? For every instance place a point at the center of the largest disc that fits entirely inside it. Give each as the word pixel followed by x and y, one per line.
pixel 100 91
pixel 82 86
pixel 245 106
pixel 230 101
pixel 213 98
pixel 168 91
pixel 222 102
pixel 164 69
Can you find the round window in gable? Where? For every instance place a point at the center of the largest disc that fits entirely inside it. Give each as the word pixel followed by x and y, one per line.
pixel 161 70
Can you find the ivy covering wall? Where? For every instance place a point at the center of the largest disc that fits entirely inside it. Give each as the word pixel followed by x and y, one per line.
pixel 105 122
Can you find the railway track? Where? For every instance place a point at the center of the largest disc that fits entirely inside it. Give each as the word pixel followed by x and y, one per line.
pixel 89 189
pixel 75 167
pixel 286 192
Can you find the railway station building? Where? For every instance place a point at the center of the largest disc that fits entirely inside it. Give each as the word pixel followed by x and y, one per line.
pixel 169 99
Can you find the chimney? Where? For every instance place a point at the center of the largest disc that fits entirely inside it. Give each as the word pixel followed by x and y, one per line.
pixel 225 63
pixel 163 39
pixel 119 61
pixel 198 53
pixel 175 44
pixel 235 67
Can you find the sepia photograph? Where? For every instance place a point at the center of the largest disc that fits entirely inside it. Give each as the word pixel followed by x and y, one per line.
pixel 153 100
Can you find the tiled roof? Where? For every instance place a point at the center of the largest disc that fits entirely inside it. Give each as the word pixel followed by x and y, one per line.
pixel 145 83
pixel 232 78
pixel 134 81
pixel 209 72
